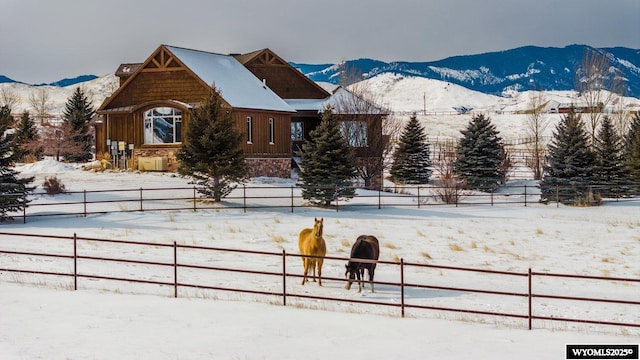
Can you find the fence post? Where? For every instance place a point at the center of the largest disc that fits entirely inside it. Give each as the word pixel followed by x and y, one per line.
pixel 456 194
pixel 85 202
pixel 530 300
pixel 557 196
pixel 141 200
pixel 244 198
pixel 194 199
pixel 418 196
pixel 492 196
pixel 75 262
pixel 402 285
pixel 379 199
pixel 24 210
pixel 292 198
pixel 175 269
pixel 284 278
pixel 525 195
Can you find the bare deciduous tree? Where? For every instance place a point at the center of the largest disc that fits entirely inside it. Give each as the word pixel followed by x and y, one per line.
pixel 450 187
pixel 368 126
pixel 598 84
pixel 620 117
pixel 58 138
pixel 536 124
pixel 40 101
pixel 8 98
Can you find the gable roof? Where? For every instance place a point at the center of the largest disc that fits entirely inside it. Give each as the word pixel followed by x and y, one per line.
pixel 266 57
pixel 237 85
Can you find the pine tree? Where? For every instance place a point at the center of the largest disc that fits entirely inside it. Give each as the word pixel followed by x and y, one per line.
pixel 480 155
pixel 570 163
pixel 328 164
pixel 13 189
pixel 610 169
pixel 6 119
pixel 78 114
pixel 210 151
pixel 26 139
pixel 632 150
pixel 412 158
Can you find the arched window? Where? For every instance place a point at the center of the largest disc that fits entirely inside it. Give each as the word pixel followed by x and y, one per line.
pixel 162 125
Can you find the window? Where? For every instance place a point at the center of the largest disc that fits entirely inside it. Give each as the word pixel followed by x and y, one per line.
pixel 163 125
pixel 355 132
pixel 249 130
pixel 272 134
pixel 297 131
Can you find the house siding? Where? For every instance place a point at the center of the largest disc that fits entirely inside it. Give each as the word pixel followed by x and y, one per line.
pixel 151 85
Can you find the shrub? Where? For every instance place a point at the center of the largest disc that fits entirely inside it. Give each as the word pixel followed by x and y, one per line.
pixel 53 185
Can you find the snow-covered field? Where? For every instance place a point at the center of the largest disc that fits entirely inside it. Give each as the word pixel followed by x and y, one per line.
pixel 106 320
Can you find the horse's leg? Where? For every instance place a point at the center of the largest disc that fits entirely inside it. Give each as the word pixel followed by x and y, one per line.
pixel 360 275
pixel 319 264
pixel 312 268
pixel 305 265
pixel 372 269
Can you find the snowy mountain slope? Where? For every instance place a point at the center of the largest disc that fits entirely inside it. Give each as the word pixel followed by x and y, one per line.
pixel 524 68
pixel 416 94
pixel 97 90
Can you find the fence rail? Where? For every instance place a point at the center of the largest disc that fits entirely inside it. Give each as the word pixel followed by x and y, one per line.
pixel 283 197
pixel 83 266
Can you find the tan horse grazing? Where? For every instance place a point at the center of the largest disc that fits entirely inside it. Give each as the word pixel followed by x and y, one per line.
pixel 310 242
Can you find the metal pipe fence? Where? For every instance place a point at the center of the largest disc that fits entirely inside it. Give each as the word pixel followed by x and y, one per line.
pixel 290 198
pixel 176 266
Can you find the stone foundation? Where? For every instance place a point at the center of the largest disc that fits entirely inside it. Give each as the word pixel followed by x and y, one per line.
pixel 271 167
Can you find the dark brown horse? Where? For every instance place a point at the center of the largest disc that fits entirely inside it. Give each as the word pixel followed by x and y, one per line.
pixel 366 247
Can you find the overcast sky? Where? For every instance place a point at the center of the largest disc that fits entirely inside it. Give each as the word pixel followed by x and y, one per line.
pixel 45 41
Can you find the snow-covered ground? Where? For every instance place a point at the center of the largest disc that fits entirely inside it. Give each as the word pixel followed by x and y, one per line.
pixel 40 318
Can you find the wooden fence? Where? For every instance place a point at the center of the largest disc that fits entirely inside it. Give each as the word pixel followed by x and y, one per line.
pixel 176 263
pixel 274 197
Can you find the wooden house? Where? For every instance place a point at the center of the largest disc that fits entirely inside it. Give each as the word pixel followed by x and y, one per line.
pixel 274 105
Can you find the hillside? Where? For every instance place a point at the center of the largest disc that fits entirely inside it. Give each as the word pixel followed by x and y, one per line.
pixel 520 69
pixel 97 90
pixel 400 93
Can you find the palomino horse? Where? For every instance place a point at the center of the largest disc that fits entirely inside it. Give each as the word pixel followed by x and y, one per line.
pixel 366 247
pixel 311 243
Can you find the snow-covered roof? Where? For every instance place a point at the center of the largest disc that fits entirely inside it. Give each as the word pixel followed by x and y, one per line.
pixel 238 86
pixel 342 101
pixel 307 104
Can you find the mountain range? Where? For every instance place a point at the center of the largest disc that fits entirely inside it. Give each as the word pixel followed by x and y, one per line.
pixel 494 74
pixel 59 83
pixel 520 69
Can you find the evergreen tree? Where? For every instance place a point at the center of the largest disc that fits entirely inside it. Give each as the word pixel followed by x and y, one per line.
pixel 78 114
pixel 610 170
pixel 480 155
pixel 26 139
pixel 13 189
pixel 328 164
pixel 211 152
pixel 6 119
pixel 632 150
pixel 412 158
pixel 570 163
